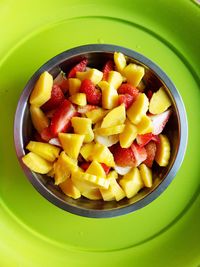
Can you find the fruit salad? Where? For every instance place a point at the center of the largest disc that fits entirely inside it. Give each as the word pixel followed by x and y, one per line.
pixel 98 132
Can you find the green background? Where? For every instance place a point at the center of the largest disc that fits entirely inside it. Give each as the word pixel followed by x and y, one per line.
pixel 33 232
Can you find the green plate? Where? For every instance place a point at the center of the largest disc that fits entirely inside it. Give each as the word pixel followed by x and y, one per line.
pixel 35 233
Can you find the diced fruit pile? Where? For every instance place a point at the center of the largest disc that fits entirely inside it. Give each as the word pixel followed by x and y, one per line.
pixel 98 132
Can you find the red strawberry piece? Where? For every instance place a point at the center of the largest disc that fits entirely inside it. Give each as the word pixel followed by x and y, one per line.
pixel 46 134
pixel 37 137
pixel 126 99
pixel 159 121
pixel 155 138
pixel 127 88
pixel 50 113
pixel 86 108
pixel 85 165
pixel 57 97
pixel 62 81
pixel 105 167
pixel 149 94
pixel 151 152
pixel 107 68
pixel 79 67
pixel 123 156
pixel 64 86
pixel 140 153
pixel 93 94
pixel 61 120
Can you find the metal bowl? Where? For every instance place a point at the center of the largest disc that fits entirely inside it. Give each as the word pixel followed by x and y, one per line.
pixel 176 129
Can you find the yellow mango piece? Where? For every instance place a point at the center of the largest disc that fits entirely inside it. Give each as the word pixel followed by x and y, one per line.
pixel 51 173
pixel 70 189
pixel 78 99
pixel 145 125
pixel 103 155
pixel 163 151
pixel 109 95
pixel 115 117
pixel 39 119
pixel 146 175
pixel 86 150
pixel 132 182
pixel 159 102
pixel 138 109
pixel 128 135
pixel 96 169
pixel 93 74
pixel 83 126
pixel 71 143
pixel 133 73
pixel 36 163
pixel 42 90
pixel 92 194
pixel 120 61
pixel 110 130
pixel 81 184
pixel 115 79
pixel 96 114
pixel 74 85
pixel 44 150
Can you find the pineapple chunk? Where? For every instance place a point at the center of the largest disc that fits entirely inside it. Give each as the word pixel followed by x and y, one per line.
pixel 70 189
pixel 44 150
pixel 109 95
pixel 132 182
pixel 86 150
pixel 42 90
pixel 120 61
pixel 93 74
pixel 145 125
pixel 74 85
pixel 96 114
pixel 163 151
pixel 39 119
pixel 115 79
pixel 159 102
pixel 138 109
pixel 115 117
pixel 83 126
pixel 36 163
pixel 110 130
pixel 93 194
pixel 71 143
pixel 78 99
pixel 146 174
pixel 133 73
pixel 129 134
pixel 96 169
pixel 103 155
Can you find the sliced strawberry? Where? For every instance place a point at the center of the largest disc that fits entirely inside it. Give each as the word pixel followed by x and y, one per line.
pixel 86 165
pixel 50 113
pixel 86 108
pixel 159 121
pixel 56 99
pixel 126 99
pixel 79 67
pixel 127 88
pixel 151 152
pixel 107 68
pixel 140 153
pixel 61 120
pixel 105 167
pixel 123 156
pixel 46 134
pixel 62 81
pixel 149 94
pixel 93 94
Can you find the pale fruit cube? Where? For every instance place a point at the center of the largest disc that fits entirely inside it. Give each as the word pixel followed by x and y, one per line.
pixel 70 189
pixel 107 194
pixel 71 143
pixel 132 182
pixel 128 135
pixel 93 74
pixel 36 163
pixel 109 95
pixel 86 150
pixel 96 169
pixel 113 130
pixel 115 79
pixel 138 109
pixel 159 102
pixel 44 150
pixel 145 125
pixel 118 192
pixel 39 119
pixel 42 90
pixel 103 155
pixel 133 73
pixel 106 140
pixel 96 114
pixel 146 174
pixel 92 194
pixel 78 99
pixel 81 184
pixel 83 126
pixel 120 61
pixel 122 170
pixel 115 117
pixel 163 151
pixel 74 85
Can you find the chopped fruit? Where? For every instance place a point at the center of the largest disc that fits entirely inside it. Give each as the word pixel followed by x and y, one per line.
pixel 159 121
pixel 149 94
pixel 110 130
pixel 86 165
pixel 61 118
pixel 46 134
pixel 141 86
pixel 83 185
pixel 42 90
pixel 96 114
pixel 39 119
pixel 83 126
pixel 145 125
pixel 123 156
pixel 71 143
pixel 126 99
pixel 92 194
pixel 146 174
pixel 163 151
pixel 138 109
pixel 159 102
pixel 61 81
pixel 127 88
pixel 56 99
pixel 143 139
pixel 44 150
pixel 86 108
pixel 70 189
pixel 55 142
pixel 120 61
pixel 79 67
pixel 115 79
pixel 133 73
pixel 102 154
pixel 128 135
pixel 109 95
pixel 93 95
pixel 36 163
pixel 86 150
pixel 106 168
pixel 49 114
pixel 151 153
pixel 132 183
pixel 74 85
pixel 122 170
pixel 78 99
pixel 109 66
pixel 96 169
pixel 115 117
pixel 94 75
pixel 106 140
pixel 140 153
pixel 51 173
